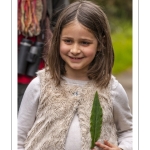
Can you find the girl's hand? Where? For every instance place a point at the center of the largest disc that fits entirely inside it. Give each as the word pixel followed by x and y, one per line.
pixel 107 146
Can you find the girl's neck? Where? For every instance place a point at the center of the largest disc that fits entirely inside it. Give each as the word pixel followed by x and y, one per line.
pixel 77 76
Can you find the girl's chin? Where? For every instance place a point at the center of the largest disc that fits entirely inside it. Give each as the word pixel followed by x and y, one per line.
pixel 77 67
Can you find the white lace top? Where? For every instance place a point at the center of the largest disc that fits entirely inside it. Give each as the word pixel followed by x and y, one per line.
pixel 122 116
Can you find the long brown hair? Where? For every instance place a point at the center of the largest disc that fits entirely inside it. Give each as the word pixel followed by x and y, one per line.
pixel 92 17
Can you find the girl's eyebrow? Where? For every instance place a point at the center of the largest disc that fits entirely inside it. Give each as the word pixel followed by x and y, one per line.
pixel 66 36
pixel 88 39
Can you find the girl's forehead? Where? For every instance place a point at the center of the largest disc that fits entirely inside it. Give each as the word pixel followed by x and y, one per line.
pixel 75 24
pixel 77 30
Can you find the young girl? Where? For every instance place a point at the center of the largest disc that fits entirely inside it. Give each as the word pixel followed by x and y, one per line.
pixel 56 108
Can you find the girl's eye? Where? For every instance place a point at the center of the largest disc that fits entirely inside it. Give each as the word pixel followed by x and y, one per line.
pixel 85 43
pixel 67 41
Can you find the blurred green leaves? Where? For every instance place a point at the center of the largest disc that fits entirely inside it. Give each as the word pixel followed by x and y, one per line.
pixel 122 44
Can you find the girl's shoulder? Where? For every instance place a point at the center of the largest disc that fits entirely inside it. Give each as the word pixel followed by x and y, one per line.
pixel 40 72
pixel 35 82
pixel 116 86
pixel 113 82
pixel 43 73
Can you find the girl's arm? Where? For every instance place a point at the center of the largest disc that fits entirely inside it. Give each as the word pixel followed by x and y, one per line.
pixel 27 111
pixel 122 117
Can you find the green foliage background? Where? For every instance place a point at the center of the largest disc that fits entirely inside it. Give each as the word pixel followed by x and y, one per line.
pixel 119 14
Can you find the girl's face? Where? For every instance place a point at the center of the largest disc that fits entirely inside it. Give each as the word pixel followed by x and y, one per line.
pixel 78 47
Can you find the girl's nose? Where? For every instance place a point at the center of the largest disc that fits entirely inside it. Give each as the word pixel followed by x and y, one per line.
pixel 75 49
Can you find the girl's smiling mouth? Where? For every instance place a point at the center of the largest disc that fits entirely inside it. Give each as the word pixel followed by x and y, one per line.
pixel 75 59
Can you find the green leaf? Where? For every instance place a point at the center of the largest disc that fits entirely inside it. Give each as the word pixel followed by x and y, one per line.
pixel 96 120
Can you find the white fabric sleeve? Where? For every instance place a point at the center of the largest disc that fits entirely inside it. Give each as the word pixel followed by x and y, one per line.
pixel 27 111
pixel 122 117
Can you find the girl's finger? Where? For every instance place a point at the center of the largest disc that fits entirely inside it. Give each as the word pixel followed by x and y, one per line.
pixel 108 144
pixel 102 145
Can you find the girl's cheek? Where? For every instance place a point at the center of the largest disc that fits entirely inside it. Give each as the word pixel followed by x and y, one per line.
pixel 64 48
